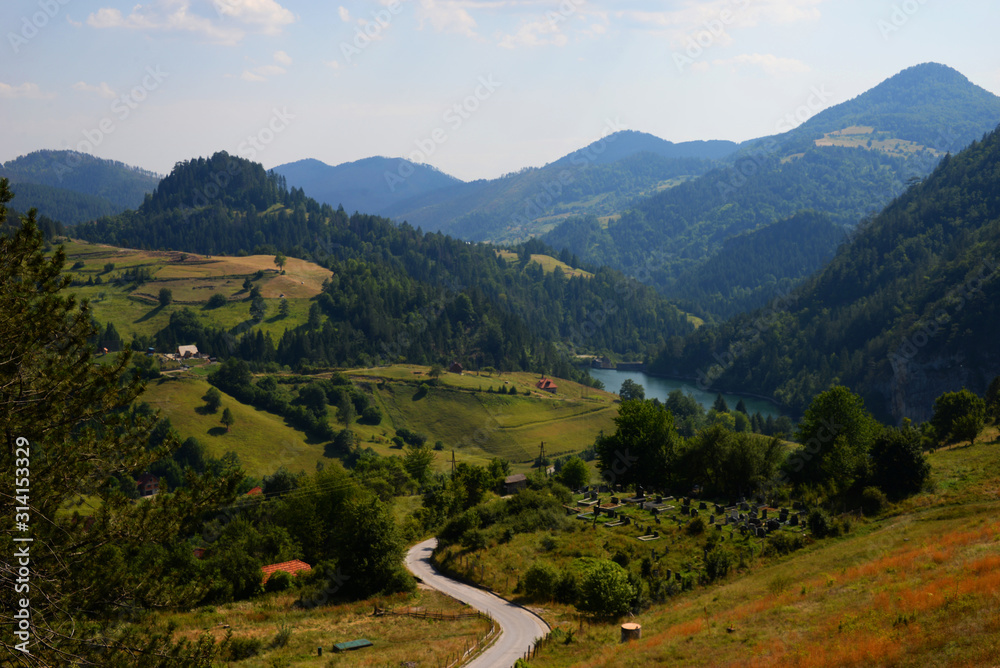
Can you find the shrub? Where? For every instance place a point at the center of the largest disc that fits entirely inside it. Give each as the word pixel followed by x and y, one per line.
pixel 244 648
pixel 279 581
pixel 782 542
pixel 718 562
pixel 217 300
pixel 568 588
pixel 606 590
pixel 819 523
pixel 371 415
pixel 696 527
pixel 540 581
pixel 873 501
pixel 283 636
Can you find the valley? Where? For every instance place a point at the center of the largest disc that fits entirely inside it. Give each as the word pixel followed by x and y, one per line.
pixel 742 394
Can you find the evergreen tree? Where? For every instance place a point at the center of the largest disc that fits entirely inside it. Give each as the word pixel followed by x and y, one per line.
pixel 720 404
pixel 70 423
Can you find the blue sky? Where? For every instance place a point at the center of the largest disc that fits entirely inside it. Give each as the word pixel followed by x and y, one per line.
pixel 477 88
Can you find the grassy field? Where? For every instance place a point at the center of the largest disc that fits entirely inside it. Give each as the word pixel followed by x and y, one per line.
pixel 548 264
pixel 262 440
pixel 918 586
pixel 192 280
pixel 859 136
pixel 396 639
pixel 480 425
pixel 476 424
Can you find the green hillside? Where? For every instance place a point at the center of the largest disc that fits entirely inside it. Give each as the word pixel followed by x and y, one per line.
pixel 848 162
pixel 905 311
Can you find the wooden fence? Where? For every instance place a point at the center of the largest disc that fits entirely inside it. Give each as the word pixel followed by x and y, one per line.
pixel 471 649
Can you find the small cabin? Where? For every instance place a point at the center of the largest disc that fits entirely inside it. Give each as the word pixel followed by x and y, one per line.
pixel 547 385
pixel 456 368
pixel 515 483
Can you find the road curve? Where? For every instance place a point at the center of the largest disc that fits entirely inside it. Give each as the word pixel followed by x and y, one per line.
pixel 519 628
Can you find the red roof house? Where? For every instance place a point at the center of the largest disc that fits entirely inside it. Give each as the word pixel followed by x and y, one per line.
pixel 293 568
pixel 148 484
pixel 547 385
pixel 255 491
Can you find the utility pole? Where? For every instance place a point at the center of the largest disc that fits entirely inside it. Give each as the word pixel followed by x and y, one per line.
pixel 541 456
pixel 452 463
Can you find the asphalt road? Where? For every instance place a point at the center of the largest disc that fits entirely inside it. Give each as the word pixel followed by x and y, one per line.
pixel 519 628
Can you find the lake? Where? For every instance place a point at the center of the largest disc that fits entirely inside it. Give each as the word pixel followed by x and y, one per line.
pixel 658 388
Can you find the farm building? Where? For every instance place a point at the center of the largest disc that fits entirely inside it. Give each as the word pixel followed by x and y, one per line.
pixel 515 483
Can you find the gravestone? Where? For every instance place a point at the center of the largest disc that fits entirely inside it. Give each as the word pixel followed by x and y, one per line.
pixel 711 519
pixel 761 532
pixel 794 521
pixel 702 506
pixel 763 514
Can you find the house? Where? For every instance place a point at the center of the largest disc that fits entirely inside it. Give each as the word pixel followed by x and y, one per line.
pixel 455 367
pixel 602 363
pixel 255 491
pixel 198 552
pixel 547 385
pixel 293 568
pixel 148 484
pixel 187 352
pixel 515 483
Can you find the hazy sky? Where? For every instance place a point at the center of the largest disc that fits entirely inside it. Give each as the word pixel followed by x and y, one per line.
pixel 476 88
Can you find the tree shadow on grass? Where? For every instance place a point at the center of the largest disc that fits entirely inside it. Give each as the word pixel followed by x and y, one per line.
pixel 205 410
pixel 217 431
pixel 152 314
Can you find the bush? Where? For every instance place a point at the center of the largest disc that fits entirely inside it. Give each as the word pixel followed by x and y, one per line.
pixel 540 581
pixel 216 300
pixel 244 648
pixel 279 581
pixel 283 636
pixel 371 416
pixel 820 524
pixel 873 501
pixel 782 542
pixel 606 590
pixel 568 588
pixel 696 527
pixel 718 562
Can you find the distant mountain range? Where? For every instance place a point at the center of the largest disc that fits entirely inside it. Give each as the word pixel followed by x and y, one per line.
pixel 600 178
pixel 74 187
pixel 847 162
pixel 907 310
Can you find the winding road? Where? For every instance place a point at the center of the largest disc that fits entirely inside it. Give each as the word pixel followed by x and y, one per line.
pixel 519 627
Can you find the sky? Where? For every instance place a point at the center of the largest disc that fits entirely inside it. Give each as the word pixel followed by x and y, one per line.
pixel 476 88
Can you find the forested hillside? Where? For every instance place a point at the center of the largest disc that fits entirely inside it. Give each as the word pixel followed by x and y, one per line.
pixel 905 312
pixel 397 293
pixel 847 162
pixel 600 179
pixel 73 187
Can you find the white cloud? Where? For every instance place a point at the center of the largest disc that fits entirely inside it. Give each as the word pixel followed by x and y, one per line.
pixel 447 16
pixel 268 14
pixel 768 62
pixel 716 15
pixel 535 33
pixel 345 15
pixel 104 90
pixel 264 16
pixel 264 72
pixel 27 91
